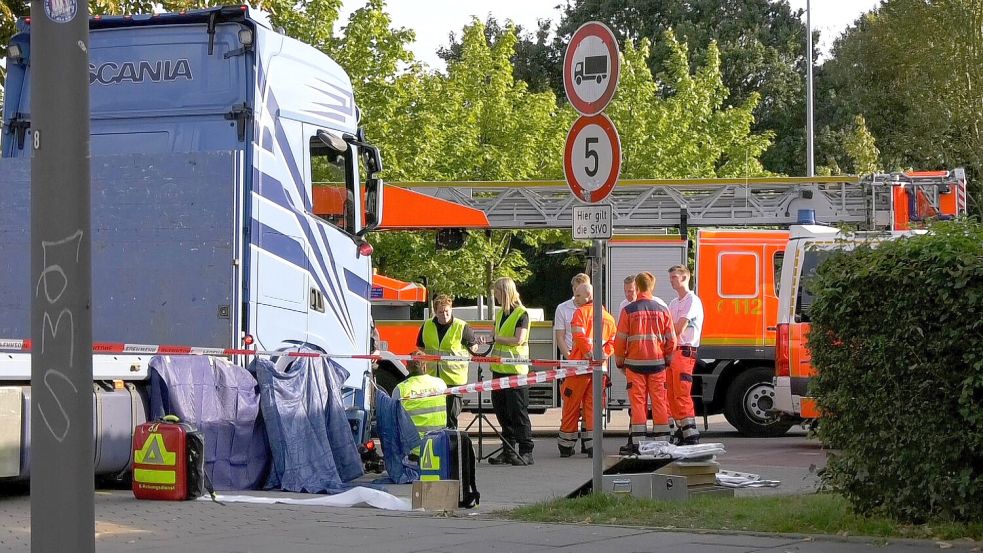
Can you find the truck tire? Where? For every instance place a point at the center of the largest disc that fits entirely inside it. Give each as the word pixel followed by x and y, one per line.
pixel 749 398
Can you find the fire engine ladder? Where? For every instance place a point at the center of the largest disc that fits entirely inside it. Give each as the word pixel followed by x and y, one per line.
pixel 650 203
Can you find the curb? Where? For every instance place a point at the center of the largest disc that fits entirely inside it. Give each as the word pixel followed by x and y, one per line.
pixel 873 540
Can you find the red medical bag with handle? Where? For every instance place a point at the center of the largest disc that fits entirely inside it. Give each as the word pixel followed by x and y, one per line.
pixel 168 460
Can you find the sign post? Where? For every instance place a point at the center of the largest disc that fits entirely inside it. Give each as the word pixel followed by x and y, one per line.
pixel 592 164
pixel 62 458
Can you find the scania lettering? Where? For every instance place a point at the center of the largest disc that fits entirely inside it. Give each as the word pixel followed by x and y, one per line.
pixel 138 72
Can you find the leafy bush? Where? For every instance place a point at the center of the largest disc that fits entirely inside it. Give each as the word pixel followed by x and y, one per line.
pixel 897 339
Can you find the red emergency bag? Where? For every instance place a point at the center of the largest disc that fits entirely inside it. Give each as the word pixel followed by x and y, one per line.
pixel 168 461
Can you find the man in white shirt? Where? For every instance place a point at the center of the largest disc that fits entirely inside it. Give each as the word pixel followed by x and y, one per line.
pixel 630 294
pixel 562 334
pixel 687 316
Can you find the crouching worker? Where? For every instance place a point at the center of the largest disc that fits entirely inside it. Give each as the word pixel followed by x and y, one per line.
pixel 429 412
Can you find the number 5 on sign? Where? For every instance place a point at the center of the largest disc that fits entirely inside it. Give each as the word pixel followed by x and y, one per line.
pixel 592 158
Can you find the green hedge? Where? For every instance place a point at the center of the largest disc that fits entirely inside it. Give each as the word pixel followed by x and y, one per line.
pixel 897 338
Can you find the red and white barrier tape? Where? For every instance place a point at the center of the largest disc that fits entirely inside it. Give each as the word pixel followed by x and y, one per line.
pixel 516 381
pixel 109 348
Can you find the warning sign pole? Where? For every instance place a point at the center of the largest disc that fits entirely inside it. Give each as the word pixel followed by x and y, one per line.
pixel 592 164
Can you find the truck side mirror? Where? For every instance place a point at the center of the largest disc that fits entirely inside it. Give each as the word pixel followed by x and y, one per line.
pixel 373 205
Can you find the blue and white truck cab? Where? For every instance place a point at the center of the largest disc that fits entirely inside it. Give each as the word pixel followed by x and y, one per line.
pixel 209 134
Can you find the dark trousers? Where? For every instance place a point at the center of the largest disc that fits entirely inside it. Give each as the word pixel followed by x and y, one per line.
pixel 454 405
pixel 512 410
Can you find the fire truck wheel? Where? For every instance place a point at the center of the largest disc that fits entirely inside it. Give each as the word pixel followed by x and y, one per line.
pixel 749 401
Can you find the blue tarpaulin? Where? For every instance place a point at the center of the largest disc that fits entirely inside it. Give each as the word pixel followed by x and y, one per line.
pixel 311 440
pixel 221 400
pixel 399 436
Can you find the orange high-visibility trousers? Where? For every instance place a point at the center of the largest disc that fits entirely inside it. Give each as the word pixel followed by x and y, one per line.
pixel 680 385
pixel 576 393
pixel 642 388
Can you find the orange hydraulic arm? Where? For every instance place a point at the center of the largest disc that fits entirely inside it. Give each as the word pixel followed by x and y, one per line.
pixel 405 209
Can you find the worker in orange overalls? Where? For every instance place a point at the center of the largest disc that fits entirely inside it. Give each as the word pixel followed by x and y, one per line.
pixel 577 391
pixel 642 348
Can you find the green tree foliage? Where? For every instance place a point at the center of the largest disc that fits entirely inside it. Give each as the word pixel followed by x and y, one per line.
pixel 912 69
pixel 536 59
pixel 850 150
pixel 897 339
pixel 688 133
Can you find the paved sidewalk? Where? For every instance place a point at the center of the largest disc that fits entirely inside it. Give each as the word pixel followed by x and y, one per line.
pixel 127 525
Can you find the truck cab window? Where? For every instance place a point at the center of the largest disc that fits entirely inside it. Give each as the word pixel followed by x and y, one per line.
pixel 804 297
pixel 776 263
pixel 333 180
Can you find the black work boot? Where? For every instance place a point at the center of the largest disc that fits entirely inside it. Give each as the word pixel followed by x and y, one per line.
pixel 506 457
pixel 630 448
pixel 565 451
pixel 524 459
pixel 590 452
pixel 692 440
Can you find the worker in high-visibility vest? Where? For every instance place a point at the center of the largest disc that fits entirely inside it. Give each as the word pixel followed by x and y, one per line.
pixel 443 334
pixel 511 405
pixel 643 346
pixel 577 391
pixel 428 413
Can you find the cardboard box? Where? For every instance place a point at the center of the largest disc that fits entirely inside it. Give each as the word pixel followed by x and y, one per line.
pixel 436 495
pixel 696 474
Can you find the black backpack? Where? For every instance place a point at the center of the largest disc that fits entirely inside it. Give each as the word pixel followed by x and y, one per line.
pixel 448 455
pixel 469 489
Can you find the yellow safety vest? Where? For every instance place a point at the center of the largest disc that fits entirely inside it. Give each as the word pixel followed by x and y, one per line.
pixel 507 328
pixel 427 413
pixel 454 373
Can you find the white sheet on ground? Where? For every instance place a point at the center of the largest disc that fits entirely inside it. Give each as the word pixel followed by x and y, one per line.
pixel 734 479
pixel 355 496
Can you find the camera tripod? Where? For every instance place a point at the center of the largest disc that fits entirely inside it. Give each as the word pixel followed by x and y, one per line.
pixel 483 419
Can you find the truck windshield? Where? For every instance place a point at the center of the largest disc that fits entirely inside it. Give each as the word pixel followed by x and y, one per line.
pixel 804 298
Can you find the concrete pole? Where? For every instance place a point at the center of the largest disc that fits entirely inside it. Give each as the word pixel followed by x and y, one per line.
pixel 810 153
pixel 62 488
pixel 597 278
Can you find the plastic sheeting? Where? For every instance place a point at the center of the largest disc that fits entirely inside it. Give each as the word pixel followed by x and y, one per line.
pixel 221 400
pixel 398 436
pixel 662 449
pixel 353 497
pixel 311 441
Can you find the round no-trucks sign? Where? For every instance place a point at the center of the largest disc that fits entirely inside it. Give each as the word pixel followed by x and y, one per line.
pixel 591 67
pixel 592 158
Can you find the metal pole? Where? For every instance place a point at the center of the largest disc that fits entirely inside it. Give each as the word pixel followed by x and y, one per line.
pixel 810 153
pixel 62 488
pixel 597 278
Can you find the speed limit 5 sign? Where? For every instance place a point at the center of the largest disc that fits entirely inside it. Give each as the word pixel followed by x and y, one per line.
pixel 592 158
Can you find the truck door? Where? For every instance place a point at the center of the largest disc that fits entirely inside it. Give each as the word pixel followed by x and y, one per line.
pixel 800 368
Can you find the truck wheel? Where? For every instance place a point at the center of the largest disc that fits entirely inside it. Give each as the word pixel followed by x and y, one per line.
pixel 579 79
pixel 750 398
